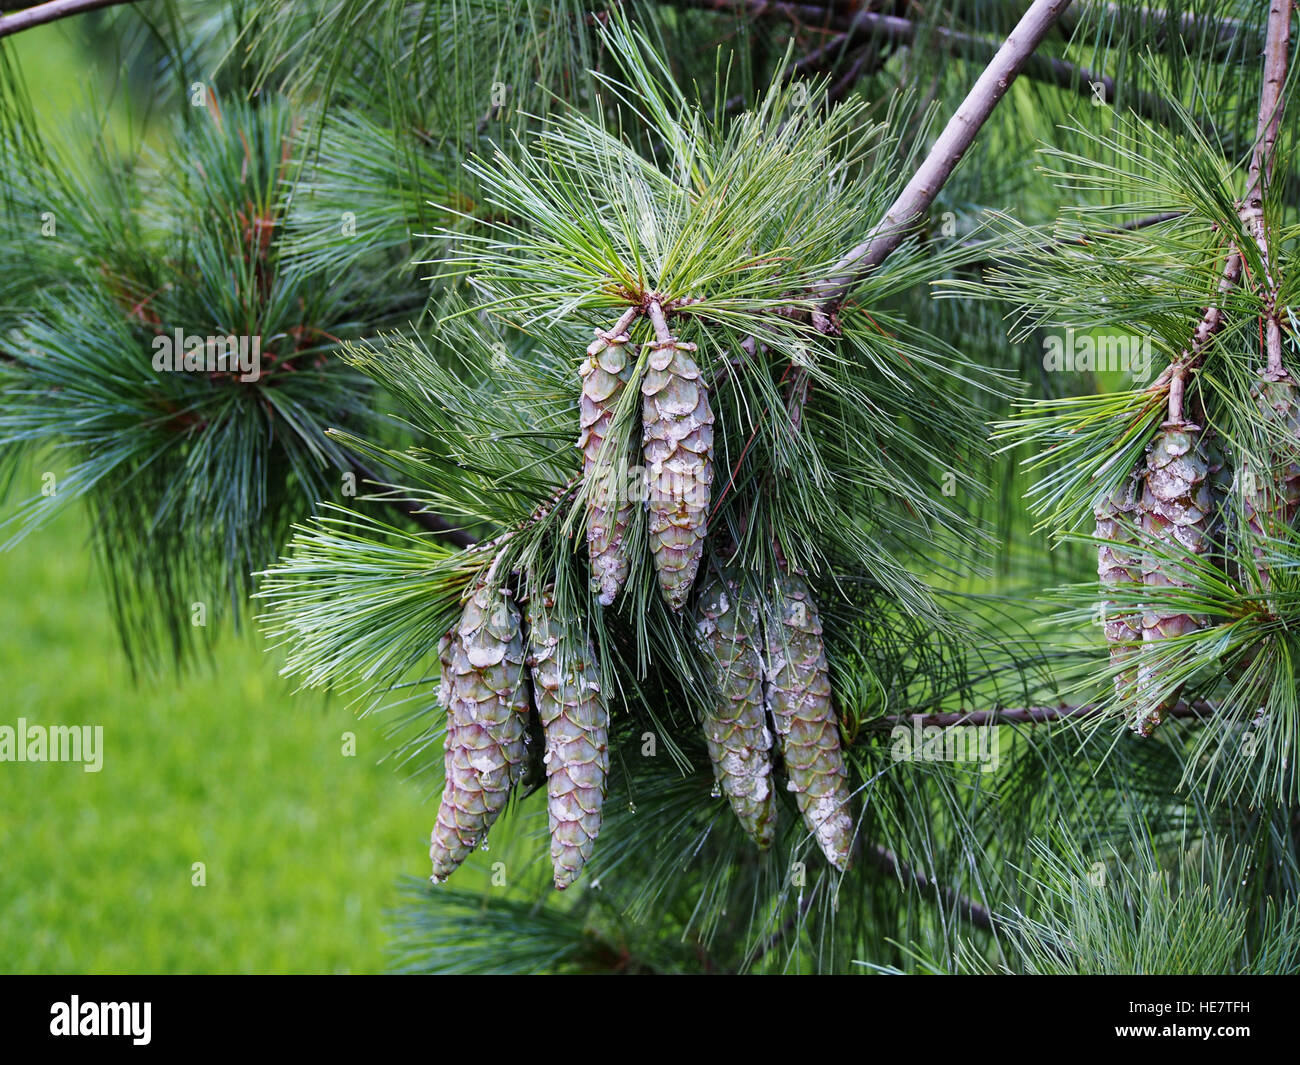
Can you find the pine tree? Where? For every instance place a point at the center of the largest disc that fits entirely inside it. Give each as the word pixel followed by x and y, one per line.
pixel 779 663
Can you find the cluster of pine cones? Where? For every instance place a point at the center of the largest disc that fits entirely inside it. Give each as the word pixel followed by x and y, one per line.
pixel 767 657
pixel 1174 503
pixel 493 668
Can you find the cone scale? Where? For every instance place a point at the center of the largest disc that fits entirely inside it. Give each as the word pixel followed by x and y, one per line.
pixel 605 374
pixel 1178 513
pixel 807 734
pixel 575 722
pixel 735 727
pixel 677 448
pixel 484 691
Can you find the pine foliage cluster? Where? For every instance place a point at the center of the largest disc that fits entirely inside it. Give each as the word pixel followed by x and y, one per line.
pixel 946 627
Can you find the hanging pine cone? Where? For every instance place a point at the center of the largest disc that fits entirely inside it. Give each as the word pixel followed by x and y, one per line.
pixel 1120 562
pixel 736 727
pixel 677 438
pixel 609 505
pixel 576 724
pixel 485 694
pixel 799 697
pixel 1178 513
pixel 1270 495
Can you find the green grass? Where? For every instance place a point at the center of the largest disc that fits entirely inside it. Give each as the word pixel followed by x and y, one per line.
pixel 225 766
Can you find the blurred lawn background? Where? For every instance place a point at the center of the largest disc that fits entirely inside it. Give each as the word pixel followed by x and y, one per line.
pixel 224 766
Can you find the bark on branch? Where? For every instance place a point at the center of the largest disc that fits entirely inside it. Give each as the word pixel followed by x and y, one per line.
pixel 947 152
pixel 41 14
pixel 1032 715
pixel 1276 49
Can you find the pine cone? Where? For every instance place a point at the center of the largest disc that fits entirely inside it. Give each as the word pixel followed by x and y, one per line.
pixel 485 693
pixel 576 723
pixel 1270 496
pixel 799 697
pixel 609 505
pixel 677 438
pixel 1178 512
pixel 1120 562
pixel 736 728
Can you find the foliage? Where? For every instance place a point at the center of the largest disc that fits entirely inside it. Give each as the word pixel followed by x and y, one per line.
pixel 454 196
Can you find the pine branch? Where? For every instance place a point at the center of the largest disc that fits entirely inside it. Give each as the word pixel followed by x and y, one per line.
pixel 947 152
pixel 826 58
pixel 42 14
pixel 1252 216
pixel 1034 715
pixel 1270 99
pixel 1176 375
pixel 1276 46
pixel 1189 23
pixel 800 14
pixel 884 859
pixel 871 25
pixel 878 28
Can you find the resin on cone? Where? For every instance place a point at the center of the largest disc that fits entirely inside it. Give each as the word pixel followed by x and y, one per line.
pixel 807 734
pixel 575 721
pixel 484 690
pixel 677 447
pixel 735 726
pixel 609 505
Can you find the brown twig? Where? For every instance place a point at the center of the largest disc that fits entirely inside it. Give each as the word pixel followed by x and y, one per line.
pixel 1276 46
pixel 1030 715
pixel 663 335
pixel 800 14
pixel 947 152
pixel 1175 377
pixel 868 60
pixel 824 58
pixel 870 25
pixel 898 30
pixel 50 12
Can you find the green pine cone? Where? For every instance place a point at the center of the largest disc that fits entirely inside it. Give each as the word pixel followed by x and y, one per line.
pixel 576 724
pixel 609 504
pixel 799 697
pixel 677 443
pixel 1178 511
pixel 736 728
pixel 1120 562
pixel 485 693
pixel 1270 494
